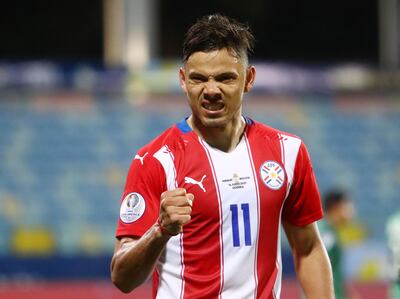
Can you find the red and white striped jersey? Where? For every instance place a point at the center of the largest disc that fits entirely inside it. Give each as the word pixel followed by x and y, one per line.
pixel 231 247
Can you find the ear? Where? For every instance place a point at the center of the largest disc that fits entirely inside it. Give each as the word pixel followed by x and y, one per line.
pixel 250 77
pixel 182 79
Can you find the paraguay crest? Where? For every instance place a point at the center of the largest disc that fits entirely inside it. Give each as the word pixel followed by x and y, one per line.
pixel 272 174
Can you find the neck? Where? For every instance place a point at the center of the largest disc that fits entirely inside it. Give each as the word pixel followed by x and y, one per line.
pixel 223 138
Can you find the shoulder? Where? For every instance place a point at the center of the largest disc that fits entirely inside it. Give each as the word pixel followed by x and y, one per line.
pixel 149 162
pixel 289 144
pixel 168 139
pixel 291 147
pixel 266 131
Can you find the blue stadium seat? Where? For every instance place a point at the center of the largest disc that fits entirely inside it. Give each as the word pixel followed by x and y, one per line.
pixel 57 164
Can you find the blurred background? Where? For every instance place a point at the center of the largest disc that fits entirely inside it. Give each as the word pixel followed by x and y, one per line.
pixel 85 84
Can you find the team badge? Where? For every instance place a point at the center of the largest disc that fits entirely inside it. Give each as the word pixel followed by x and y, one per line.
pixel 272 175
pixel 132 207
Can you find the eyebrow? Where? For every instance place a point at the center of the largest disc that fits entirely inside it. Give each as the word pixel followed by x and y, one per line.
pixel 196 74
pixel 220 75
pixel 226 75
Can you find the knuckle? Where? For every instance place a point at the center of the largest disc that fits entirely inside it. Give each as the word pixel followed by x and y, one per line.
pixel 167 201
pixel 184 210
pixel 186 219
pixel 174 218
pixel 170 210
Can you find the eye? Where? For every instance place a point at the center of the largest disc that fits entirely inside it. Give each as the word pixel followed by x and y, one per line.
pixel 226 78
pixel 197 78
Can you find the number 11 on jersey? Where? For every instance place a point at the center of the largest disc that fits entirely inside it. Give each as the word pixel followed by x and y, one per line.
pixel 235 224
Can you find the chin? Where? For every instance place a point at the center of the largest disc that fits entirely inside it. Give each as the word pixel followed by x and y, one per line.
pixel 214 122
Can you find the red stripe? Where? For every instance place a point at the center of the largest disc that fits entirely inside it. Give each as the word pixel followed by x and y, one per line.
pixel 271 202
pixel 220 215
pixel 201 236
pixel 155 283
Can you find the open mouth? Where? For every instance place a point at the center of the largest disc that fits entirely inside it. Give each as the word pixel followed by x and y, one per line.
pixel 213 106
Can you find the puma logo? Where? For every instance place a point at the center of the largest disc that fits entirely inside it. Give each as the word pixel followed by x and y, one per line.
pixel 189 180
pixel 137 157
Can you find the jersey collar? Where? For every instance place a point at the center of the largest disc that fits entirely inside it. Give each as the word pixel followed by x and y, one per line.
pixel 184 127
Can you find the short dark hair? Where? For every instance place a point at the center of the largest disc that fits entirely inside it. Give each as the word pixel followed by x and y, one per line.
pixel 333 198
pixel 215 32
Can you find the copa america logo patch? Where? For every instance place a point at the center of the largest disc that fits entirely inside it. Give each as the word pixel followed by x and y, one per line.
pixel 132 207
pixel 272 175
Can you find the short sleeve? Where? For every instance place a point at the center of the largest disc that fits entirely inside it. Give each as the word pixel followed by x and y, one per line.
pixel 303 204
pixel 140 203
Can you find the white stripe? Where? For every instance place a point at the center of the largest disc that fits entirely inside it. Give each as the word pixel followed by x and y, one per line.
pixel 282 148
pixel 278 280
pixel 289 148
pixel 170 265
pixel 258 214
pixel 237 190
pixel 166 158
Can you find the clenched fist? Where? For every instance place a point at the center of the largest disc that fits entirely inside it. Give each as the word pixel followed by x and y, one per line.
pixel 175 210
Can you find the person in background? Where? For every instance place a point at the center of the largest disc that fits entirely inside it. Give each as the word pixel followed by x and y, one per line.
pixel 339 211
pixel 393 235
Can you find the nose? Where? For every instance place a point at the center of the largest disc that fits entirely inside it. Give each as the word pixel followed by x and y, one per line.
pixel 211 90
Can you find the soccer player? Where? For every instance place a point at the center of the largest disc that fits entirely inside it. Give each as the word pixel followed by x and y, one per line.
pixel 393 236
pixel 339 211
pixel 204 201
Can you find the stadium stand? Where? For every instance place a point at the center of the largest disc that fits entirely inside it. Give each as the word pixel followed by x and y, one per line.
pixel 67 139
pixel 63 169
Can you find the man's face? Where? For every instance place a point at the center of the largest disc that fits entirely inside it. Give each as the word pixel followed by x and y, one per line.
pixel 344 212
pixel 214 83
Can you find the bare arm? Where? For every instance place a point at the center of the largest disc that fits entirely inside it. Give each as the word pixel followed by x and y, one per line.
pixel 134 259
pixel 311 261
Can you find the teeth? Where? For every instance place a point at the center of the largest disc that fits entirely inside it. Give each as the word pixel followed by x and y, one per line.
pixel 213 106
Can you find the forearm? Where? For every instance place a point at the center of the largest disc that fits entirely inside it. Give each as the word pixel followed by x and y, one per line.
pixel 314 273
pixel 134 261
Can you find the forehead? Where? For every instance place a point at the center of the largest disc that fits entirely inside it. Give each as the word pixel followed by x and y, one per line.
pixel 345 204
pixel 216 61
